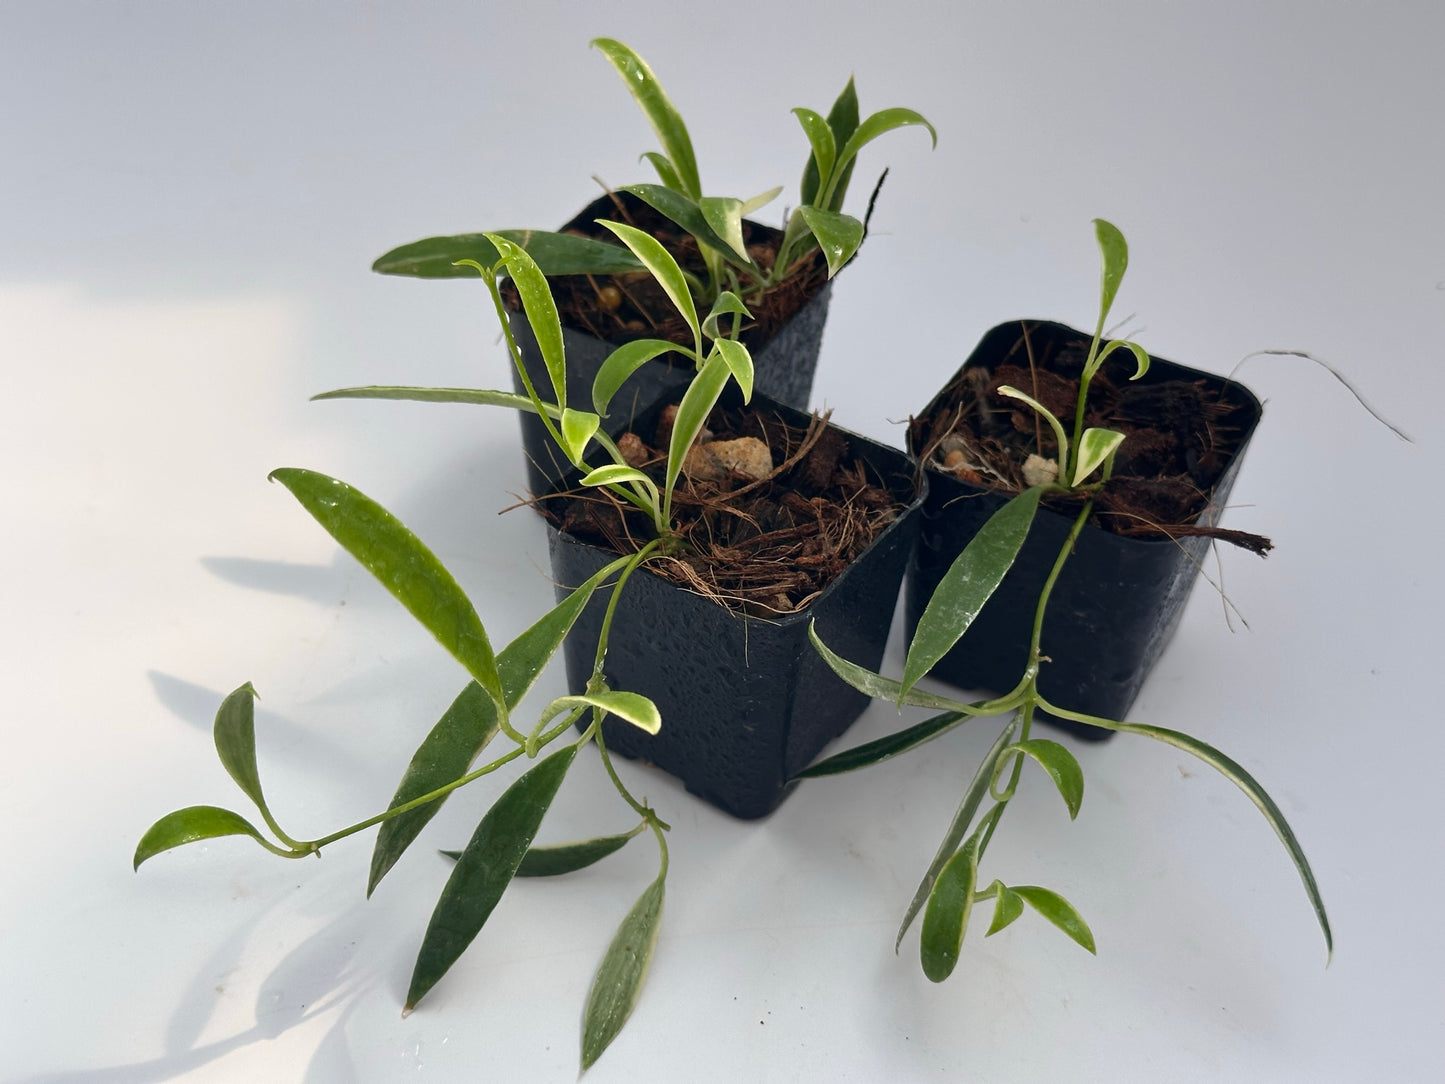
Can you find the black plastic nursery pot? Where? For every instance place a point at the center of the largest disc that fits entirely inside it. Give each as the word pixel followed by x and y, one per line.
pixel 746 701
pixel 784 357
pixel 1119 598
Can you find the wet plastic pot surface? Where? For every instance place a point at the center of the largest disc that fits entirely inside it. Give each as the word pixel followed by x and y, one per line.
pixel 1118 601
pixel 746 702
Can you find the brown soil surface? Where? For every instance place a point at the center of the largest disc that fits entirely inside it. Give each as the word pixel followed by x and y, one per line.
pixel 1179 436
pixel 764 547
pixel 622 307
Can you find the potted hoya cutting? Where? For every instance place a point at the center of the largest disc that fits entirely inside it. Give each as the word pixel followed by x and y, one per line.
pixel 643 496
pixel 607 298
pixel 1069 470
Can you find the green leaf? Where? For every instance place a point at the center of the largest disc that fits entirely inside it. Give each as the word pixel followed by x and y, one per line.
pixel 562 858
pixel 838 235
pixel 739 363
pixel 946 918
pixel 1008 905
pixel 1115 253
pixel 445 754
pixel 724 216
pixel 958 827
pixel 554 253
pixel 645 89
pixel 448 752
pixel 189 825
pixel 1059 911
pixel 881 688
pixel 665 170
pixel 235 736
pixel 762 199
pixel 664 268
pixel 885 120
pixel 968 584
pixel 697 403
pixel 632 708
pixel 578 428
pixel 612 474
pixel 727 303
pixel 622 363
pixel 1095 446
pixel 825 148
pixel 619 978
pixel 541 311
pixel 872 752
pixel 1061 766
pixel 1141 356
pixel 476 396
pixel 1048 415
pixel 403 565
pixel 843 120
pixel 686 213
pixel 1236 774
pixel 485 869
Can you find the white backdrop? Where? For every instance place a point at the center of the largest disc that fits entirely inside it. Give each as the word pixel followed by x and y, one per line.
pixel 192 195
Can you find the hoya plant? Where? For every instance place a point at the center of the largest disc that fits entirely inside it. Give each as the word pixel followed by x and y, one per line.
pixel 1081 462
pixel 714 222
pixel 489 708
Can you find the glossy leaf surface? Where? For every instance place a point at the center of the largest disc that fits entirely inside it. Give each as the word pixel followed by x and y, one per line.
pixel 739 363
pixel 885 120
pixel 697 403
pixel 838 235
pixel 562 858
pixel 190 825
pixel 685 212
pixel 881 688
pixel 1059 911
pixel 945 920
pixel 541 312
pixel 666 122
pixel 724 216
pixel 825 148
pixel 632 708
pixel 555 254
pixel 475 396
pixel 664 269
pixel 1095 446
pixel 1114 251
pixel 665 171
pixel 843 120
pixel 1062 767
pixel 1141 356
pixel 958 827
pixel 235 736
pixel 882 748
pixel 969 583
pixel 484 870
pixel 618 982
pixel 402 564
pixel 727 303
pixel 1007 907
pixel 622 363
pixel 578 428
pixel 1061 442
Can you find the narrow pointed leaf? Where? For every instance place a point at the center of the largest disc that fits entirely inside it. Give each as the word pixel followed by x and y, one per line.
pixel 578 428
pixel 825 149
pixel 235 736
pixel 838 235
pixel 885 120
pixel 684 211
pixel 541 312
pixel 881 688
pixel 561 858
pixel 945 920
pixel 613 474
pixel 969 583
pixel 724 216
pixel 1059 911
pixel 664 268
pixel 666 173
pixel 632 708
pixel 762 199
pixel 554 253
pixel 622 363
pixel 1095 446
pixel 958 828
pixel 486 867
pixel 861 756
pixel 403 565
pixel 190 825
pixel 739 363
pixel 727 303
pixel 666 122
pixel 618 982
pixel 1141 356
pixel 470 723
pixel 1062 767
pixel 1008 905
pixel 478 396
pixel 843 120
pixel 697 403
pixel 1237 775
pixel 1114 251
pixel 1061 442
